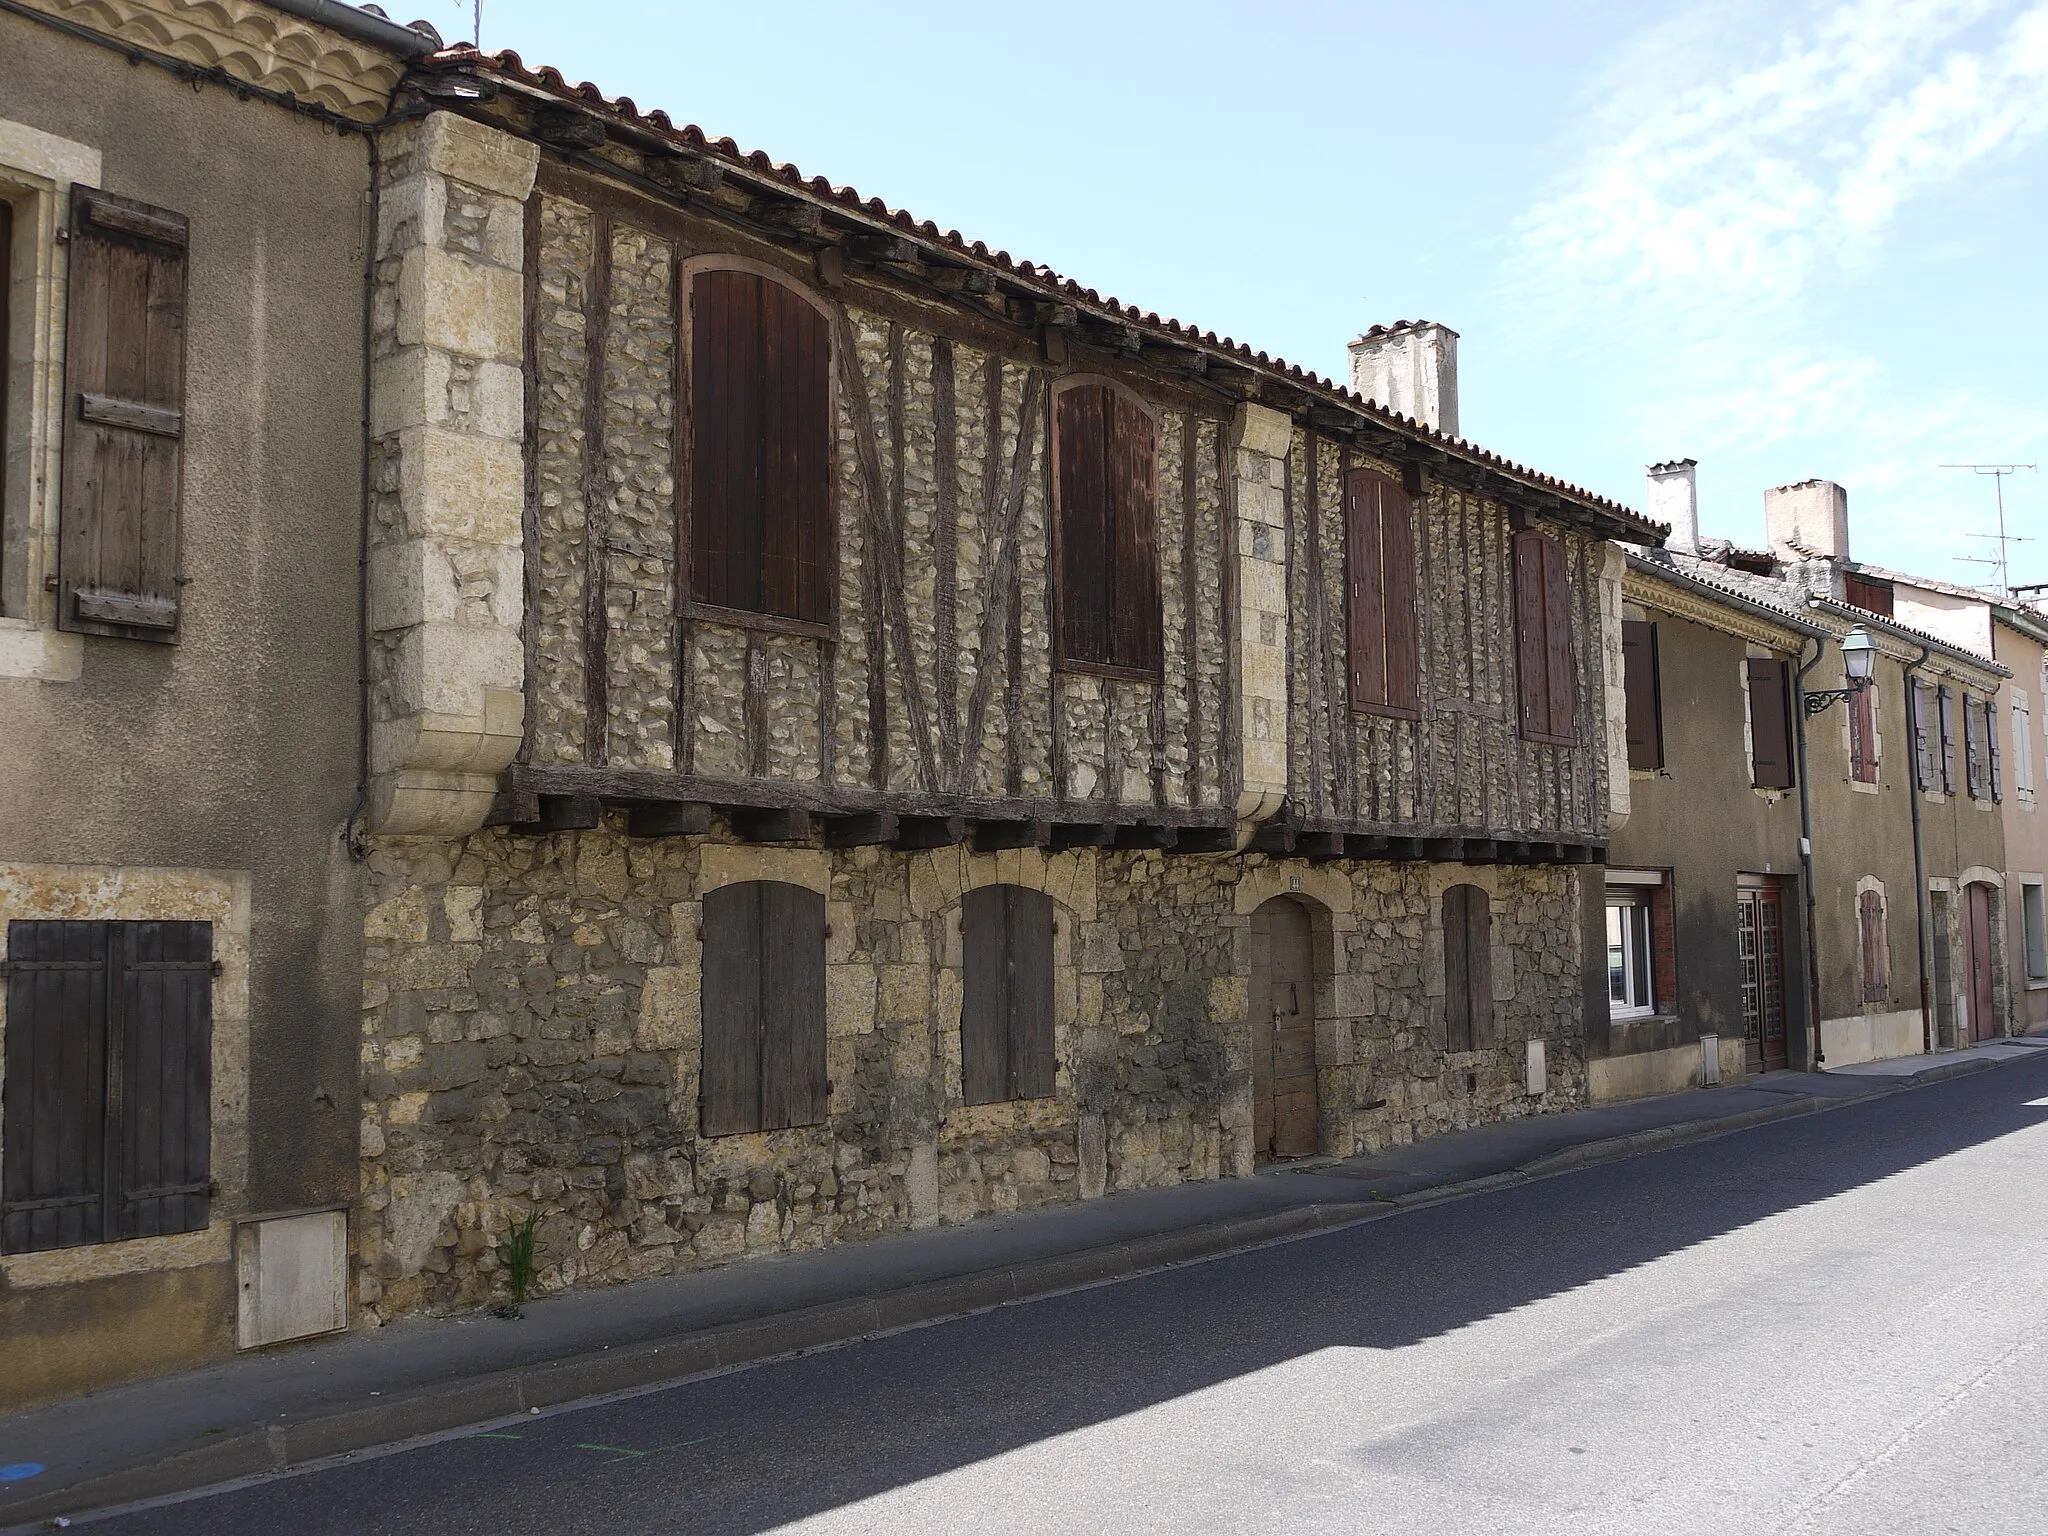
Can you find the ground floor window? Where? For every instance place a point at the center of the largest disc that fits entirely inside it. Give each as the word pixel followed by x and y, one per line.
pixel 1639 947
pixel 763 1008
pixel 108 1082
pixel 1006 1040
pixel 2036 925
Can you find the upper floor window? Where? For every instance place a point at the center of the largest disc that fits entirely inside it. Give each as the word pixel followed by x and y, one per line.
pixel 1543 640
pixel 760 447
pixel 763 1007
pixel 1945 709
pixel 1379 555
pixel 1862 708
pixel 1106 480
pixel 8 514
pixel 1977 740
pixel 2022 745
pixel 1868 593
pixel 1641 685
pixel 1770 723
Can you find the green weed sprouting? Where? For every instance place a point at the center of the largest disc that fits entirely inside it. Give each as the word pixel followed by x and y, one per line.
pixel 515 1256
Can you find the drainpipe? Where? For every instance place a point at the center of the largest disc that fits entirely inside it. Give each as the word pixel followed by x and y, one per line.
pixel 1819 1062
pixel 1920 924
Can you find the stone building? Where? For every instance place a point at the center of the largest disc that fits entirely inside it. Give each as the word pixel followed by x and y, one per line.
pixel 181 300
pixel 866 732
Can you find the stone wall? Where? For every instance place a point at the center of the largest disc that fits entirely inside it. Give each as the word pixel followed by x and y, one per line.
pixel 531 1040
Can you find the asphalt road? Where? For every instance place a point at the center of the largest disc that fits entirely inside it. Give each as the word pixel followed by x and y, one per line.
pixel 1830 1324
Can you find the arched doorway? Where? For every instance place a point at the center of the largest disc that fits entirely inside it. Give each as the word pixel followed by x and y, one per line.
pixel 1283 1026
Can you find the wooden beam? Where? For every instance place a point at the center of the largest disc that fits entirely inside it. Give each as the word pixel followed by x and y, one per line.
pixel 867 830
pixel 1144 835
pixel 779 826
pixel 888 250
pixel 1510 852
pixel 568 813
pixel 1205 840
pixel 513 808
pixel 961 280
pixel 1482 850
pixel 567 128
pixel 1273 838
pixel 1083 834
pixel 990 836
pixel 1319 845
pixel 930 831
pixel 1360 845
pixel 681 173
pixel 1443 850
pixel 668 818
pixel 1404 848
pixel 799 218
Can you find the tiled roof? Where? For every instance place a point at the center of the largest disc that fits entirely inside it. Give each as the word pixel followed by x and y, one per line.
pixel 509 66
pixel 1906 631
pixel 1689 575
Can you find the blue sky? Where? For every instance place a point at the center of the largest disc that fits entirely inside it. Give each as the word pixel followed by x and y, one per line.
pixel 1785 239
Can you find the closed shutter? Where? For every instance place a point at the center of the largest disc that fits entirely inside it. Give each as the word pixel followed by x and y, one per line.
pixel 1468 969
pixel 1640 685
pixel 1381 629
pixel 1991 761
pixel 1923 738
pixel 124 391
pixel 1945 710
pixel 6 331
pixel 1108 530
pixel 1006 1044
pixel 1862 736
pixel 760 448
pixel 1870 922
pixel 1973 750
pixel 108 1082
pixel 763 1008
pixel 1870 595
pixel 1770 724
pixel 1543 639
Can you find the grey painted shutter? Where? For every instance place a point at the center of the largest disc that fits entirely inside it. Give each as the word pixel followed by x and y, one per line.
pixel 1923 738
pixel 792 971
pixel 984 997
pixel 53 1193
pixel 124 396
pixel 160 1075
pixel 1639 679
pixel 6 330
pixel 1770 724
pixel 1081 427
pixel 1945 702
pixel 731 1010
pixel 1028 922
pixel 1991 758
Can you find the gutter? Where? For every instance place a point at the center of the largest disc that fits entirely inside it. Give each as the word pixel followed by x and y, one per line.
pixel 1818 1062
pixel 362 27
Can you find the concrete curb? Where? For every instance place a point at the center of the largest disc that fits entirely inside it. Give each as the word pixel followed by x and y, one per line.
pixel 674 1359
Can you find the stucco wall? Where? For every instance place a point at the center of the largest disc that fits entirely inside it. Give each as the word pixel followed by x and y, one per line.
pixel 2025 813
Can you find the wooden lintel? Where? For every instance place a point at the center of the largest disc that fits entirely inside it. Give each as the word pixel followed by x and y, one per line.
pixel 1063 316
pixel 787 825
pixel 1507 852
pixel 1273 838
pixel 1144 835
pixel 1359 845
pixel 798 217
pixel 1083 834
pixel 568 128
pixel 866 830
pixel 889 250
pixel 1414 479
pixel 682 172
pixel 961 280
pixel 1319 845
pixel 668 818
pixel 1481 850
pixel 1404 848
pixel 1205 840
pixel 930 831
pixel 990 836
pixel 1443 850
pixel 513 808
pixel 1584 853
pixel 568 813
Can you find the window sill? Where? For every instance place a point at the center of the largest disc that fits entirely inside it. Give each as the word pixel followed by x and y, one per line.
pixel 29 650
pixel 770 623
pixel 1386 712
pixel 1636 1015
pixel 1550 741
pixel 1109 670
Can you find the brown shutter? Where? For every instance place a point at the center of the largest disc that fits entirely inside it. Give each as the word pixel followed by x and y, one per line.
pixel 1397 585
pixel 1870 922
pixel 6 331
pixel 1923 738
pixel 1028 920
pixel 1862 737
pixel 1991 760
pixel 731 1010
pixel 984 997
pixel 1770 724
pixel 792 970
pixel 1081 442
pixel 160 1076
pixel 1869 595
pixel 1563 691
pixel 1134 601
pixel 54 1158
pixel 1532 665
pixel 1468 969
pixel 760 448
pixel 1945 702
pixel 1365 589
pixel 1640 685
pixel 124 393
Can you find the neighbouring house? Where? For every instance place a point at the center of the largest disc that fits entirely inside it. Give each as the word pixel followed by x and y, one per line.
pixel 182 224
pixel 867 732
pixel 1898 786
pixel 2020 638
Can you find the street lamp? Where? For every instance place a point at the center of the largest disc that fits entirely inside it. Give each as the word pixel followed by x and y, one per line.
pixel 1859 661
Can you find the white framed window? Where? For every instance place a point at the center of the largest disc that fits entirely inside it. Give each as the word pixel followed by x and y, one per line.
pixel 2034 922
pixel 1633 899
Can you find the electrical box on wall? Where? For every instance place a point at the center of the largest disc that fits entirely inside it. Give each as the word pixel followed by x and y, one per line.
pixel 292 1276
pixel 1538 1077
pixel 1710 1060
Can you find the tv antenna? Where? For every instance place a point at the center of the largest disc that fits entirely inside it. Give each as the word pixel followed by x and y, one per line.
pixel 1999 562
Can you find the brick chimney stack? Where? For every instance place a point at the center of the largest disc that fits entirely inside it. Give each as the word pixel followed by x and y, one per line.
pixel 1410 367
pixel 1675 499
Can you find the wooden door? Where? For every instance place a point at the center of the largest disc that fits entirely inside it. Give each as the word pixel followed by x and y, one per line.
pixel 1760 938
pixel 1283 1032
pixel 1982 1003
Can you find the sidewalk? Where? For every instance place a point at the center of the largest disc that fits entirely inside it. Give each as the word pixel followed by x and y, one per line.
pixel 261 1413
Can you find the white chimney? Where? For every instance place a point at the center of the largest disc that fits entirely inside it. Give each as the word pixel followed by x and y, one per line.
pixel 1807 521
pixel 1410 367
pixel 1675 499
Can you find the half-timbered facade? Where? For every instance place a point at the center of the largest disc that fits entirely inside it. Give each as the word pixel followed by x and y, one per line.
pixel 867 733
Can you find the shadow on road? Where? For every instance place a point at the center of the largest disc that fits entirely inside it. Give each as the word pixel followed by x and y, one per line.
pixel 747 1452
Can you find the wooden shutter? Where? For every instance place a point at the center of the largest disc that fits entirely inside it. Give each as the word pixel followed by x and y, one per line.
pixel 1862 736
pixel 1770 724
pixel 6 331
pixel 1870 923
pixel 108 1083
pixel 1468 969
pixel 1134 478
pixel 1543 639
pixel 1973 750
pixel 1991 760
pixel 124 392
pixel 760 448
pixel 1640 686
pixel 1945 709
pixel 1006 1041
pixel 1381 630
pixel 1923 739
pixel 1864 592
pixel 792 969
pixel 1081 428
pixel 731 1011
